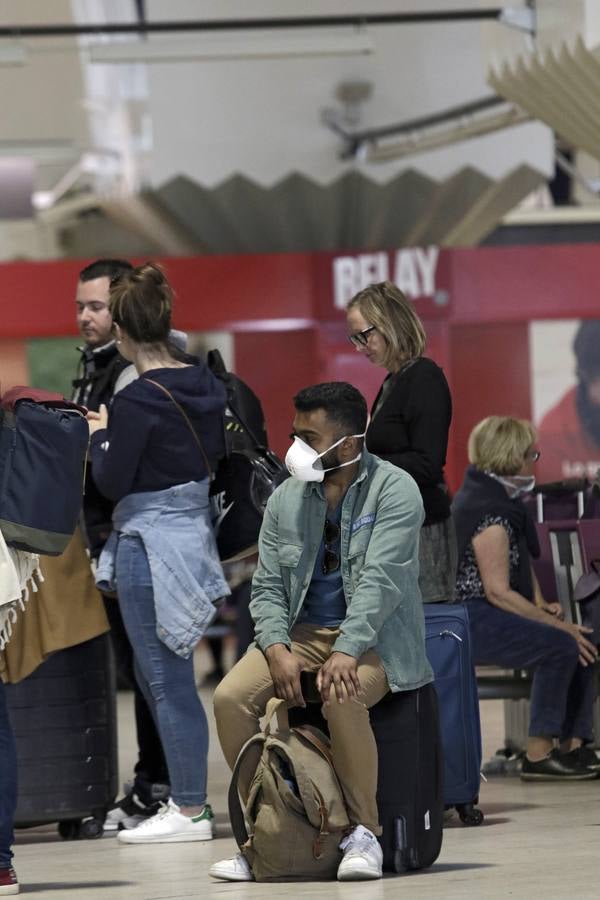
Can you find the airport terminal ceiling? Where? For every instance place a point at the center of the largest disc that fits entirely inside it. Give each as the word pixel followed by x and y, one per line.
pixel 370 132
pixel 111 129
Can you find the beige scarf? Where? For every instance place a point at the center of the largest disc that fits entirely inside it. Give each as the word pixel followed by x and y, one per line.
pixel 17 571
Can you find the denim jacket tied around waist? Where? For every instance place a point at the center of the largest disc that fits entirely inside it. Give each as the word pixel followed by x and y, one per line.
pixel 187 578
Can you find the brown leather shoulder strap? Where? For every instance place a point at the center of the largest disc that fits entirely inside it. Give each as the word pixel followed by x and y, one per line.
pixel 187 420
pixel 309 735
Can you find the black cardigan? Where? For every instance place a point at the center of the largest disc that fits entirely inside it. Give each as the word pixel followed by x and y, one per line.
pixel 410 430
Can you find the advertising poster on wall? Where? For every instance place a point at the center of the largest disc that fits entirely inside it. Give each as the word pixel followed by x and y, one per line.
pixel 565 391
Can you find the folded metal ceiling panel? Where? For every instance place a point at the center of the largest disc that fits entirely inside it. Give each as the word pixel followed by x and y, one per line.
pixel 295 215
pixel 407 200
pixel 353 212
pixel 558 87
pixel 191 204
pixel 498 199
pixel 452 200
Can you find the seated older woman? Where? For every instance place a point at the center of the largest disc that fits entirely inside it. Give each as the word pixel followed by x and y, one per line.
pixel 511 625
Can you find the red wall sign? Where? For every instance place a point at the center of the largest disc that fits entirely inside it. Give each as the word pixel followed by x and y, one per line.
pixel 286 313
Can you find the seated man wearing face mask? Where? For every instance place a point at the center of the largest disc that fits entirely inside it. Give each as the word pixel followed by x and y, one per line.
pixel 335 593
pixel 511 625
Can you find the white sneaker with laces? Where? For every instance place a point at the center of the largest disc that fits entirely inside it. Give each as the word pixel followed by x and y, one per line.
pixel 234 869
pixel 170 826
pixel 363 856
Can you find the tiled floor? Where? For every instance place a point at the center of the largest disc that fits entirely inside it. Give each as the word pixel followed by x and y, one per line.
pixel 537 842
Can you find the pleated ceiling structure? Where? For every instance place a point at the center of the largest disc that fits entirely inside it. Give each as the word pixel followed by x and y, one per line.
pixel 183 218
pixel 297 214
pixel 560 87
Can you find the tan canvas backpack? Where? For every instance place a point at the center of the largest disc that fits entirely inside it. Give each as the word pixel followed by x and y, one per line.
pixel 294 817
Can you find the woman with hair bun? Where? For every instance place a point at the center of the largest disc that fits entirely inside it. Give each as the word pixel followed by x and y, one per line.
pixel 410 420
pixel 154 458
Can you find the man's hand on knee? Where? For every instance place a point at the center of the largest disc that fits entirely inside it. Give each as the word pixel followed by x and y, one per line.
pixel 285 671
pixel 340 670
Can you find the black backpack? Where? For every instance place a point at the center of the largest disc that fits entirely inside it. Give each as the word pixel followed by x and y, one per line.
pixel 248 473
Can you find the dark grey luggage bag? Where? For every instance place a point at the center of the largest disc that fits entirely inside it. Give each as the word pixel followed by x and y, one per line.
pixel 65 725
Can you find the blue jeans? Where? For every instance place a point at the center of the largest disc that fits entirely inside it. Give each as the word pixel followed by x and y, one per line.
pixel 562 689
pixel 8 782
pixel 166 679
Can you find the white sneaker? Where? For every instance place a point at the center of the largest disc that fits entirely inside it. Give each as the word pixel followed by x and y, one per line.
pixel 363 856
pixel 234 869
pixel 169 826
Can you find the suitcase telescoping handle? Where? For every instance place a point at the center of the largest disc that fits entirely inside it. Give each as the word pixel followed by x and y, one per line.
pixel 447 633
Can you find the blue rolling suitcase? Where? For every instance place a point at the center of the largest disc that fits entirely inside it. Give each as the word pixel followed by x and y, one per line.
pixel 449 652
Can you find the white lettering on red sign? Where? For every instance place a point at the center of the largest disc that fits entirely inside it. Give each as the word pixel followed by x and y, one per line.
pixel 412 270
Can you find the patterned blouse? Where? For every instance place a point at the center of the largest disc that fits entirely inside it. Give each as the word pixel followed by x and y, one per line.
pixel 468 580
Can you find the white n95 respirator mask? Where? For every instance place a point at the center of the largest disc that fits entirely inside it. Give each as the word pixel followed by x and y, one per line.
pixel 304 463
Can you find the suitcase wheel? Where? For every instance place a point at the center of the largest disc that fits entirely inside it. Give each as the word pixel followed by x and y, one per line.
pixel 73 829
pixel 92 828
pixel 70 829
pixel 469 814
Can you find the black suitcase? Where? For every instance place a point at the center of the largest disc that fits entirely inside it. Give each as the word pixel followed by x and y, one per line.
pixel 410 794
pixel 64 720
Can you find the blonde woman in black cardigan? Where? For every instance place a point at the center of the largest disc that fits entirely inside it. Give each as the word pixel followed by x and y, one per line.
pixel 410 420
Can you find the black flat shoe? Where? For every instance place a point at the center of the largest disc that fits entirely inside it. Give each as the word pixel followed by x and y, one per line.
pixel 556 767
pixel 584 756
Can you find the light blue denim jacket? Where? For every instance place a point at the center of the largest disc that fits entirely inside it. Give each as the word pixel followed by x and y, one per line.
pixel 382 514
pixel 187 577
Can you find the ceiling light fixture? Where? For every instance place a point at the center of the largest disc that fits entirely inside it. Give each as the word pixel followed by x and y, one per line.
pixel 281 46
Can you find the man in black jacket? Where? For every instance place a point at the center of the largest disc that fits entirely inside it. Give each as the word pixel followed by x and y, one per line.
pixel 102 370
pixel 100 366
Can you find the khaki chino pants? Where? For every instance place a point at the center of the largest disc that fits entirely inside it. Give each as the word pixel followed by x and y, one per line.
pixel 241 698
